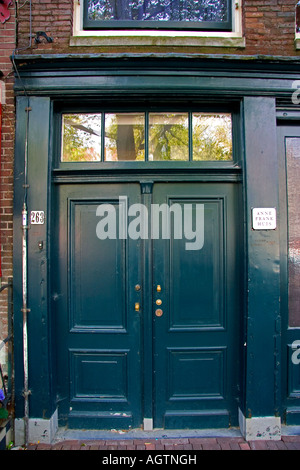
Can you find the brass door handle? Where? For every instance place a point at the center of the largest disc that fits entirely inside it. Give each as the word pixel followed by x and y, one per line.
pixel 137 307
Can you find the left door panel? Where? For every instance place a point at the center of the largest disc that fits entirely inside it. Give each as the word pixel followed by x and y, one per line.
pixel 96 268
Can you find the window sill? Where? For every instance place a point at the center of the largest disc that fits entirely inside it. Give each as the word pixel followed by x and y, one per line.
pixel 157 38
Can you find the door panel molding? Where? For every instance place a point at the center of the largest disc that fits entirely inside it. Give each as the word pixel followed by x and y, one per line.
pixel 84 288
pixel 211 286
pixel 193 364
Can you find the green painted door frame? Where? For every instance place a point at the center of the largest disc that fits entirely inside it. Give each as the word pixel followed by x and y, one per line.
pixel 260 393
pixel 262 336
pixel 147 330
pixel 40 346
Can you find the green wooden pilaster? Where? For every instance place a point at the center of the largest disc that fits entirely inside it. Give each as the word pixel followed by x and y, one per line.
pixel 39 356
pixel 262 267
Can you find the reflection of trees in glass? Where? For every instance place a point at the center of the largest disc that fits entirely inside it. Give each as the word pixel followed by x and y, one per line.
pixel 124 137
pixel 168 137
pixel 158 10
pixel 212 137
pixel 81 137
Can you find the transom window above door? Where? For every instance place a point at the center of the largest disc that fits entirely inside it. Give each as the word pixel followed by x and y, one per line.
pixel 150 136
pixel 214 15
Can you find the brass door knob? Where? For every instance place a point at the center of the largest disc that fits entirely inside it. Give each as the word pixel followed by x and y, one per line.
pixel 137 307
pixel 158 312
pixel 158 302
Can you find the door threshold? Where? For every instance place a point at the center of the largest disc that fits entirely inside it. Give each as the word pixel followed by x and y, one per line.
pixel 64 434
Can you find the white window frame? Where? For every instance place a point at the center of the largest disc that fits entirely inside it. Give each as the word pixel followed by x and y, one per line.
pixel 297 41
pixel 297 35
pixel 156 38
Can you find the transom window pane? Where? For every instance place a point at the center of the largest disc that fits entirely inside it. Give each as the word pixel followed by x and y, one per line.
pixel 155 136
pixel 209 14
pixel 212 137
pixel 81 138
pixel 168 136
pixel 124 137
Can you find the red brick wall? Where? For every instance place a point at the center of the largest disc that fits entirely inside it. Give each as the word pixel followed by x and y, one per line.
pixel 269 26
pixel 52 17
pixel 7 45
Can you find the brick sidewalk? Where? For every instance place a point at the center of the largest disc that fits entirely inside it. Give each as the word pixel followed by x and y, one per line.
pixel 182 444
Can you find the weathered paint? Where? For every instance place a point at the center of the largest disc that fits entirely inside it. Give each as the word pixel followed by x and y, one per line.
pixel 252 83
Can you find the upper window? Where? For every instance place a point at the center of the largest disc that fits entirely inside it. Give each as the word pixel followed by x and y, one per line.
pixel 150 136
pixel 207 15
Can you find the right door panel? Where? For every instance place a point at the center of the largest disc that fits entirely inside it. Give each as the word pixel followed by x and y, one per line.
pixel 196 312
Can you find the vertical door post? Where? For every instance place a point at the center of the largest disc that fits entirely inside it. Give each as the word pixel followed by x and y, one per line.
pixel 258 415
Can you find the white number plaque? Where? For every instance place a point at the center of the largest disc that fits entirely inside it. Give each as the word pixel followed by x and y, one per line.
pixel 37 217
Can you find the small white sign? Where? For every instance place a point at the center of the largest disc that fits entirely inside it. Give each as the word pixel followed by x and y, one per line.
pixel 264 218
pixel 37 217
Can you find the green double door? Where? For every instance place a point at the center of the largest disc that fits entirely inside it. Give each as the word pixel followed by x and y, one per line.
pixel 146 293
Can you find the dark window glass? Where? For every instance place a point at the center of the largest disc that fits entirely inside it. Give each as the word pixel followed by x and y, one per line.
pixel 293 178
pixel 203 14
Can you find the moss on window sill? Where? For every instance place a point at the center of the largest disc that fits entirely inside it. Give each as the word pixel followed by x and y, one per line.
pixel 158 41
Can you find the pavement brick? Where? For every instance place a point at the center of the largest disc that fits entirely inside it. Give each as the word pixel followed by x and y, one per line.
pixel 225 442
pixel 57 446
pixel 43 447
pixel 126 442
pixel 204 440
pixel 291 442
pixel 169 445
pixel 281 445
pixel 159 447
pixel 235 445
pixel 258 445
pixel 211 447
pixel 291 439
pixel 32 447
pixel 292 445
pixel 273 445
pixel 149 446
pixel 244 446
pixel 197 446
